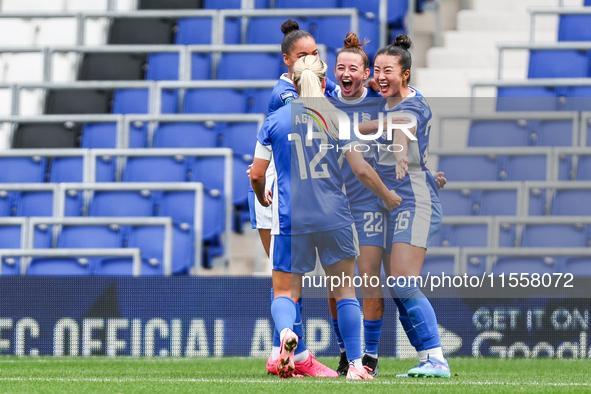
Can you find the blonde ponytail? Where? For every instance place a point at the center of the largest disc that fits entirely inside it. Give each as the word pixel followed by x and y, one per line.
pixel 308 74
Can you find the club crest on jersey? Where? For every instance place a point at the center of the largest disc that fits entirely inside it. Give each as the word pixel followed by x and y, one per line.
pixel 287 97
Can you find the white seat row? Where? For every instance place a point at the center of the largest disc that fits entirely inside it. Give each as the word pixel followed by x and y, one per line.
pixel 50 31
pixel 64 5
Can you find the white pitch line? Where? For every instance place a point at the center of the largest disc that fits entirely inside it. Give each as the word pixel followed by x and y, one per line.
pixel 299 381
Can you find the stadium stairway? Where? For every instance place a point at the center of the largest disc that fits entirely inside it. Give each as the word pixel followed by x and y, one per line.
pixel 470 52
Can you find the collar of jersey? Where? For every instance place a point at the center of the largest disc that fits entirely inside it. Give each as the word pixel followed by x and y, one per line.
pixel 284 77
pixel 352 102
pixel 413 93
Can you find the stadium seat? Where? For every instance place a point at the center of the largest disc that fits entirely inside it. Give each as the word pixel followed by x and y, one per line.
pixel 10 238
pixel 5 203
pixel 78 101
pixel 155 169
pixel 574 28
pixel 526 168
pixel 498 202
pixel 537 202
pixel 121 203
pixel 259 100
pixel 66 169
pixel 22 169
pixel 396 12
pixel 169 4
pixel 456 202
pixel 180 206
pixel 10 265
pixel 43 237
pixel 137 101
pixel 106 167
pixel 56 31
pixel 578 99
pixel 17 32
pixel 47 135
pixel 470 168
pixel 233 31
pixel 60 266
pixel 163 67
pixel 141 31
pixel 558 64
pixel 99 135
pixel 331 30
pixel 203 101
pixel 235 66
pixel 584 168
pixel 200 66
pixel 364 6
pixel 90 237
pixel 220 4
pixel 74 204
pixel 241 138
pixel 578 266
pixel 369 28
pixel 150 240
pixel 29 203
pixel 499 133
pixel 185 135
pixel 213 216
pixel 526 99
pixel 465 235
pixel 194 31
pixel 509 265
pixel 307 4
pixel 554 235
pixel 267 30
pixel 23 67
pixel 571 202
pixel 112 67
pixel 555 133
pixel 438 265
pixel 209 171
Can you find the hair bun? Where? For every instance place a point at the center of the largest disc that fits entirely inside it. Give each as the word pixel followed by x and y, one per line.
pixel 289 26
pixel 352 41
pixel 402 41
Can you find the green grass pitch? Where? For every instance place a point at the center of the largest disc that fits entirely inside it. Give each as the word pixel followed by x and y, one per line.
pixel 244 375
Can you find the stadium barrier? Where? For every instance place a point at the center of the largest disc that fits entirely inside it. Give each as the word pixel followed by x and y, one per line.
pixel 535 11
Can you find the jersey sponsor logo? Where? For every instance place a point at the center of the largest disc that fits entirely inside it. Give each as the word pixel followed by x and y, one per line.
pixel 287 97
pixel 368 235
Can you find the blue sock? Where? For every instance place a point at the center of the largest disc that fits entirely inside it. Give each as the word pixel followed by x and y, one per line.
pixel 372 330
pixel 276 338
pixel 410 331
pixel 421 315
pixel 335 326
pixel 298 329
pixel 283 310
pixel 349 317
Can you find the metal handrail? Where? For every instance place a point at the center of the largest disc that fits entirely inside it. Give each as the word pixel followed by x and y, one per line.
pixel 534 11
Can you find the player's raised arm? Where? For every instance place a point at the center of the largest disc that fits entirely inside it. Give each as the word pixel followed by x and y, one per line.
pixel 370 179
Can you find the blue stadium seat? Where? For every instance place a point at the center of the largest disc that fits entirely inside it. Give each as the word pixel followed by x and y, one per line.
pixel 66 169
pixel 150 240
pixel 5 203
pixel 578 266
pixel 574 28
pixel 470 168
pixel 60 266
pixel 498 202
pixel 526 99
pixel 185 135
pixel 509 265
pixel 566 168
pixel 209 171
pixel 331 30
pixel 213 216
pixel 43 236
pixel 155 169
pixel 138 135
pixel 233 65
pixel 10 238
pixel 369 27
pixel 163 67
pixel 584 168
pixel 115 267
pixel 34 203
pixel 136 101
pixel 22 169
pixel 537 202
pixel 105 169
pixel 526 168
pixel 74 203
pixel 203 101
pixel 438 265
pixel 11 265
pixel 456 202
pixel 364 6
pixel 267 30
pixel 262 4
pixel 99 135
pixel 571 202
pixel 555 133
pixel 466 235
pixel 194 31
pixel 508 236
pixel 121 203
pixel 241 138
pixel 200 66
pixel 396 12
pixel 307 4
pixel 233 31
pixel 90 237
pixel 558 64
pixel 180 206
pixel 578 99
pixel 216 4
pixel 554 235
pixel 499 133
pixel 259 100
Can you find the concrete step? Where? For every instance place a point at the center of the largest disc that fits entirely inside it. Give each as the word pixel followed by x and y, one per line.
pixel 490 39
pixel 521 5
pixel 503 21
pixel 470 57
pixel 441 76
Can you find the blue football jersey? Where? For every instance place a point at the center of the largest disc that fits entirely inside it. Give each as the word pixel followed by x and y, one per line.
pixel 417 153
pixel 284 92
pixel 367 107
pixel 307 195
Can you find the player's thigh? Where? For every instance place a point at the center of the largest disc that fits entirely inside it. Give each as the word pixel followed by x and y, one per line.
pixel 343 272
pixel 406 259
pixel 369 264
pixel 286 284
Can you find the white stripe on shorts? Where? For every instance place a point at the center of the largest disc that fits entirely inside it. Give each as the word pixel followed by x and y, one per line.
pixel 421 223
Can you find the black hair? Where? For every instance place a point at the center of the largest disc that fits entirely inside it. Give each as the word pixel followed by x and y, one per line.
pixel 293 33
pixel 399 48
pixel 353 45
